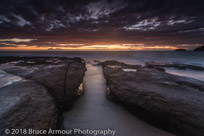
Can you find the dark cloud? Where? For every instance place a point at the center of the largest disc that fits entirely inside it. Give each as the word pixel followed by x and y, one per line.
pixel 151 22
pixel 7 45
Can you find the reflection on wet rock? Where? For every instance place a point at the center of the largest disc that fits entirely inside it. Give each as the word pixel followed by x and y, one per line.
pixel 7 79
pixel 80 89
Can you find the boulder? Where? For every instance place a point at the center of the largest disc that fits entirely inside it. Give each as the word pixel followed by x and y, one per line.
pixel 25 105
pixel 63 82
pixel 61 76
pixel 168 101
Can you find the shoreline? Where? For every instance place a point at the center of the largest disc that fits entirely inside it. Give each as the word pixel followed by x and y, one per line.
pixel 48 71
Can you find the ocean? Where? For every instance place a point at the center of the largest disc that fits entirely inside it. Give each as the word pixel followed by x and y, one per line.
pixel 130 57
pixel 196 58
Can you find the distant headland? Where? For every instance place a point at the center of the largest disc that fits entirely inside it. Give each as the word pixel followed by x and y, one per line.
pixel 201 48
pixel 180 50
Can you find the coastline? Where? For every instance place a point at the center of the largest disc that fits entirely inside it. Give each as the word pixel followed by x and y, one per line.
pixel 48 71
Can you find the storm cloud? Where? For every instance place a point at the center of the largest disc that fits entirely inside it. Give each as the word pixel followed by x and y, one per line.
pixel 77 23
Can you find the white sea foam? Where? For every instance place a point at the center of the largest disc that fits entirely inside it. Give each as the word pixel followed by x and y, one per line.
pixel 129 70
pixel 114 66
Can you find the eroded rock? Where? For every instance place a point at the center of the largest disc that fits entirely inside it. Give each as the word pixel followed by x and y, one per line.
pixel 59 75
pixel 25 105
pixel 168 101
pixel 27 90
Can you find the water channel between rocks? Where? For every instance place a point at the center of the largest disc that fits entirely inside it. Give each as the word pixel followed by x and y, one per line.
pixel 94 111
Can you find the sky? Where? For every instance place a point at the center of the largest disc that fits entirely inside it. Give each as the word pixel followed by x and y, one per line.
pixel 101 25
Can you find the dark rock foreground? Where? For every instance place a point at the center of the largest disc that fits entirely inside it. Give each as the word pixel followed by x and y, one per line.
pixel 168 101
pixel 25 104
pixel 34 90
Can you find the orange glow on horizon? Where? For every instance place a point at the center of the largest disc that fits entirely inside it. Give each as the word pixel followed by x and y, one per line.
pixel 95 47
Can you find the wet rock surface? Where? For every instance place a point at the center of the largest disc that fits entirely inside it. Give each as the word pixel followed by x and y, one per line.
pixel 170 102
pixel 36 90
pixel 25 104
pixel 160 66
pixel 61 76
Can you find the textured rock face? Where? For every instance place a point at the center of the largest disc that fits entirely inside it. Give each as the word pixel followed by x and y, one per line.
pixel 35 90
pixel 168 101
pixel 62 80
pixel 25 104
pixel 60 76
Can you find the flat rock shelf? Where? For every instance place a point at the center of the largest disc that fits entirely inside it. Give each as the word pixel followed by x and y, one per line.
pixel 168 101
